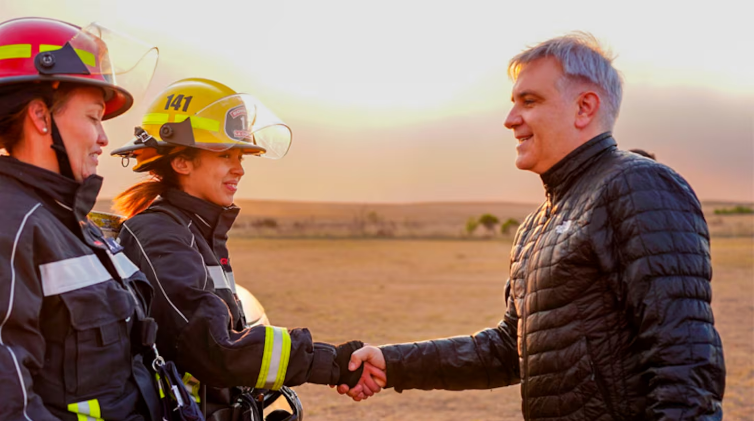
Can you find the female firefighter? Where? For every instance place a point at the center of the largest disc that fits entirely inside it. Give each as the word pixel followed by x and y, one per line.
pixel 71 303
pixel 192 141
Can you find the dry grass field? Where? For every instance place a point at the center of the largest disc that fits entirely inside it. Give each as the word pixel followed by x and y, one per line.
pixel 390 291
pixel 328 267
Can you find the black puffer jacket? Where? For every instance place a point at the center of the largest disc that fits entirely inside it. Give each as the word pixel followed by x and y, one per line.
pixel 609 300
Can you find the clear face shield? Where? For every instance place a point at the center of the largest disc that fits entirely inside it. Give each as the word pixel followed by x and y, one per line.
pixel 116 58
pixel 236 121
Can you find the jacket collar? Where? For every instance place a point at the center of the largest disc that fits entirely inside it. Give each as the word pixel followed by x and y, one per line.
pixel 213 221
pixel 70 195
pixel 558 179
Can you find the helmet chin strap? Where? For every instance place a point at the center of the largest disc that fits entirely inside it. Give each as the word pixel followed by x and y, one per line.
pixel 59 147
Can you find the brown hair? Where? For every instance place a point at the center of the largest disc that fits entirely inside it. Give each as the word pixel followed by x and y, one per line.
pixel 12 119
pixel 138 197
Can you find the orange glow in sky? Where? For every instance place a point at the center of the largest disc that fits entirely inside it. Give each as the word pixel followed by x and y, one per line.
pixel 400 101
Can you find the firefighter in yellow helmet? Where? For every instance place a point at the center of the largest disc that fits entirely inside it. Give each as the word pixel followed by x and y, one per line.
pixel 192 141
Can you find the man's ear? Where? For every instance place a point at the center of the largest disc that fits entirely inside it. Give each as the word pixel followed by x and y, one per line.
pixel 39 116
pixel 588 105
pixel 182 165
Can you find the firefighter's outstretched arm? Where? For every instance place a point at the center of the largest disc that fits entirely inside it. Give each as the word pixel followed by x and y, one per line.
pixel 195 324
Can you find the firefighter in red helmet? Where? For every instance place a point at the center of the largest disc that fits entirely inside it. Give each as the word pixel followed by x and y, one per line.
pixel 72 306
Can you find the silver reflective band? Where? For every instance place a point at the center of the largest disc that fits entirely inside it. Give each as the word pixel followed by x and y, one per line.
pixel 86 411
pixel 123 265
pixel 231 280
pixel 219 278
pixel 277 351
pixel 72 274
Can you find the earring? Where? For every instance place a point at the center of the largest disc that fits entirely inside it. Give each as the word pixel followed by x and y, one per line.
pixel 44 130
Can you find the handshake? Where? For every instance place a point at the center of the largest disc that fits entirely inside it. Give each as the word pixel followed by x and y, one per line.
pixel 374 376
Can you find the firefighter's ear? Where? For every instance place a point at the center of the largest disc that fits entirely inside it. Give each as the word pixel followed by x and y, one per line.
pixel 39 116
pixel 181 165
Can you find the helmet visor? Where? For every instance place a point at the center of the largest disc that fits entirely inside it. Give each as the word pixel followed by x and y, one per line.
pixel 237 121
pixel 118 59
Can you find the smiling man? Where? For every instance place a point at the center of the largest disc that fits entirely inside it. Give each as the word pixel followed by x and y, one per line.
pixel 609 294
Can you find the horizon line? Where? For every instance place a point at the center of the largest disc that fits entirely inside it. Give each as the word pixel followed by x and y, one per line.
pixel 443 202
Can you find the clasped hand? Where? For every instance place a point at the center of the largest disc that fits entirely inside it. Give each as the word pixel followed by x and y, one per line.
pixel 374 376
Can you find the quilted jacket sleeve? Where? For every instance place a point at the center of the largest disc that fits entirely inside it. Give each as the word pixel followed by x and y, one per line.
pixel 484 360
pixel 661 248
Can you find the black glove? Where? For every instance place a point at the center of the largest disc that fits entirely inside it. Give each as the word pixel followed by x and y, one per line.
pixel 344 350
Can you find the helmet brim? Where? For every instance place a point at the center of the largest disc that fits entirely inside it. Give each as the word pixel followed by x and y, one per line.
pixel 117 99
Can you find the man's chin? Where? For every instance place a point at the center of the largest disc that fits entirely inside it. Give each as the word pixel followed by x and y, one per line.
pixel 521 164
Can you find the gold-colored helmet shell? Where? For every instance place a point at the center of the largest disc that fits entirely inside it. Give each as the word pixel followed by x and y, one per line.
pixel 204 114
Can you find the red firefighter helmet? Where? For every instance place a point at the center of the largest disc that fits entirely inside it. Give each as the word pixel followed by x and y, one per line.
pixel 48 50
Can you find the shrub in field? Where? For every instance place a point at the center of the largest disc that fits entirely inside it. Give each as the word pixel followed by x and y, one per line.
pixel 265 223
pixel 489 221
pixel 471 225
pixel 505 228
pixel 736 210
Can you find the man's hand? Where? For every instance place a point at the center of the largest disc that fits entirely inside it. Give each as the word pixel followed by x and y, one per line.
pixel 374 377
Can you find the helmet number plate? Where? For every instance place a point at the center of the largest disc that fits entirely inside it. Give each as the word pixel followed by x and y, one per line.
pixel 176 103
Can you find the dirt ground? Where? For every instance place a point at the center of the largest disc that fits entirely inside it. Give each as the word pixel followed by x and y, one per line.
pixel 391 291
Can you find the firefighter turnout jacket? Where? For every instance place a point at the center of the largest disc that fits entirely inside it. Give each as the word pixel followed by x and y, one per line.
pixel 180 243
pixel 68 304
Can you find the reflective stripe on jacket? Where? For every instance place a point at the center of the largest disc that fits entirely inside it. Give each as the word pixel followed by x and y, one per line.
pixel 180 243
pixel 65 314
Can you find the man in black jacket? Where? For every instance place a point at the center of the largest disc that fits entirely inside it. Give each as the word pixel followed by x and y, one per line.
pixel 609 293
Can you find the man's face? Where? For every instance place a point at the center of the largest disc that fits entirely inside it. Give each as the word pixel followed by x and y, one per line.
pixel 542 117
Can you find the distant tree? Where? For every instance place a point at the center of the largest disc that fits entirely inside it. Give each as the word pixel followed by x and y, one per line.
pixel 734 210
pixel 505 228
pixel 489 221
pixel 265 223
pixel 471 225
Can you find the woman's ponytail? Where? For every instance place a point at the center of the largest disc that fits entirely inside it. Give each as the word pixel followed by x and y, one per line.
pixel 138 197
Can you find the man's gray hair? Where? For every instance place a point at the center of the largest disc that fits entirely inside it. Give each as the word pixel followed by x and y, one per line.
pixel 582 59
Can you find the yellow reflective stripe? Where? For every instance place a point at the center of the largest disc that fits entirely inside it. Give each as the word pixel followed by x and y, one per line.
pixel 15 51
pixel 277 352
pixel 155 118
pixel 86 411
pixel 48 47
pixel 159 385
pixel 192 386
pixel 85 56
pixel 286 354
pixel 196 122
pixel 200 122
pixel 269 338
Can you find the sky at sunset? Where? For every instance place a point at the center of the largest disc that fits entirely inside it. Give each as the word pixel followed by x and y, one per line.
pixel 404 101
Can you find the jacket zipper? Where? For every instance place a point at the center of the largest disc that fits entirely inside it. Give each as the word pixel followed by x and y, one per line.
pixel 525 377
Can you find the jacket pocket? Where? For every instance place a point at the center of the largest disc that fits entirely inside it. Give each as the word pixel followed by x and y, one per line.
pixel 602 386
pixel 97 348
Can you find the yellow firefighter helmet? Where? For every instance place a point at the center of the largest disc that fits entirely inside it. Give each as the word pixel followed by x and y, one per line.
pixel 204 114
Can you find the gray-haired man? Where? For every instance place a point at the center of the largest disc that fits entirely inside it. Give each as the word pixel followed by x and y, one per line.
pixel 609 313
